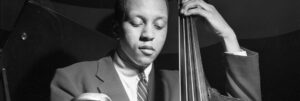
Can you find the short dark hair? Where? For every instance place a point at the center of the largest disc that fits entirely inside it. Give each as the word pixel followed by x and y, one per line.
pixel 119 17
pixel 120 10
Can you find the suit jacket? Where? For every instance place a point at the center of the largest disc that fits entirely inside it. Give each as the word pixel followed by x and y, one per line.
pixel 101 77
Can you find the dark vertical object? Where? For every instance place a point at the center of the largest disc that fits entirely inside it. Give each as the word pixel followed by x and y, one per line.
pixel 5 85
pixel 1 79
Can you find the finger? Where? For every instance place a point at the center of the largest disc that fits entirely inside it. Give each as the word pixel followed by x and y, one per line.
pixel 183 1
pixel 191 4
pixel 205 5
pixel 195 4
pixel 200 12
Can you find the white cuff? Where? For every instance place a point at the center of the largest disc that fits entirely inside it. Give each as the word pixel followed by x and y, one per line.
pixel 240 53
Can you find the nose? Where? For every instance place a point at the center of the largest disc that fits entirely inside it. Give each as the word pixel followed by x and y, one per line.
pixel 147 34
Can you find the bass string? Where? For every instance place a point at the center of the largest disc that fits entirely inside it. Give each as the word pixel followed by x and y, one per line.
pixel 191 71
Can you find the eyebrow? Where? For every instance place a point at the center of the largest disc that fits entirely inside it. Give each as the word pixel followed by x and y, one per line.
pixel 160 17
pixel 164 18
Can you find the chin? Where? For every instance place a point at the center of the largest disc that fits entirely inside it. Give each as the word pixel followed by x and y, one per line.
pixel 145 61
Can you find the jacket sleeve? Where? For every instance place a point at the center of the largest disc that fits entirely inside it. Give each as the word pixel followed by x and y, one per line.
pixel 243 76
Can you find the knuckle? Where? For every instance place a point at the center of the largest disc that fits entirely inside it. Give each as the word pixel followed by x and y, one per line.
pixel 209 15
pixel 211 6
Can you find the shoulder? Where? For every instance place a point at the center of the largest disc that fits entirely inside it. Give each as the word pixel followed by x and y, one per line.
pixel 85 67
pixel 81 70
pixel 77 78
pixel 74 74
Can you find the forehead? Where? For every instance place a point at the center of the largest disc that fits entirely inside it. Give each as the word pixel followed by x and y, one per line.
pixel 155 7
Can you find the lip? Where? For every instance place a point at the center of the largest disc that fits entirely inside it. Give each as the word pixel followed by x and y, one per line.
pixel 147 50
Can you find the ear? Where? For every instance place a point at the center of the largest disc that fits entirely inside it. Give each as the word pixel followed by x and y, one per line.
pixel 117 30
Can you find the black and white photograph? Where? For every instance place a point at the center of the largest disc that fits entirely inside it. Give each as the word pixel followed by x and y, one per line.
pixel 149 50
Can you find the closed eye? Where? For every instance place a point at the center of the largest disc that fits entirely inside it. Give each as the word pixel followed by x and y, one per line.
pixel 136 22
pixel 158 27
pixel 159 24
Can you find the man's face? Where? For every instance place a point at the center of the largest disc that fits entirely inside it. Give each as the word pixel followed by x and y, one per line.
pixel 144 29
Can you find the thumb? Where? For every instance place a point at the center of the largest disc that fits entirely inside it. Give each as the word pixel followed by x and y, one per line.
pixel 93 97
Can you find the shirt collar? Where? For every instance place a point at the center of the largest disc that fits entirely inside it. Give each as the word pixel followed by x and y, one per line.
pixel 124 73
pixel 147 71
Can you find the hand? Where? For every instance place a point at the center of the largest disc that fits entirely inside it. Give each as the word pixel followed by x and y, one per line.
pixel 210 13
pixel 217 22
pixel 93 97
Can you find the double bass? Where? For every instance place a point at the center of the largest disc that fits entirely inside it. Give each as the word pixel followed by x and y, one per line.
pixel 193 85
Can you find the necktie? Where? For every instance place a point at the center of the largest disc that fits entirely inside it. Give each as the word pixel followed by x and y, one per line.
pixel 142 90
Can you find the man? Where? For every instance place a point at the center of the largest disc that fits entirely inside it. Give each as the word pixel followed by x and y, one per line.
pixel 127 73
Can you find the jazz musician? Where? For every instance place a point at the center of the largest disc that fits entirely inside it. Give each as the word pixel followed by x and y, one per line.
pixel 128 74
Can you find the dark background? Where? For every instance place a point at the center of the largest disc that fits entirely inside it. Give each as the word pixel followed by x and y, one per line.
pixel 42 35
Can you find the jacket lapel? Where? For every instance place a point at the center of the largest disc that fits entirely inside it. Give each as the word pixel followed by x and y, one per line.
pixel 111 83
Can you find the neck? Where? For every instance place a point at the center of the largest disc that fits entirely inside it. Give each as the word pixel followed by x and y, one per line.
pixel 126 64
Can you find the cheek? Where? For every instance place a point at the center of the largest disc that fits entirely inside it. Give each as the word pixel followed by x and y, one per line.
pixel 131 36
pixel 160 39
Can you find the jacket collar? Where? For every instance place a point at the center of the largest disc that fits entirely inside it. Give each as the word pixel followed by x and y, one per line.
pixel 110 81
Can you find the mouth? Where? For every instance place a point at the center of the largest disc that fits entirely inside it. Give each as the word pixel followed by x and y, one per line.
pixel 147 50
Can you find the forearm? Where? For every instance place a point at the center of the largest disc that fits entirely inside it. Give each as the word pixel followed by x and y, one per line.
pixel 230 42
